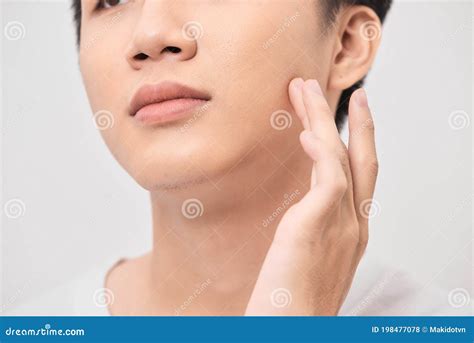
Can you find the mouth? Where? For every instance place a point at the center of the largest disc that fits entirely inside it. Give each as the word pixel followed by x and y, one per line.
pixel 165 102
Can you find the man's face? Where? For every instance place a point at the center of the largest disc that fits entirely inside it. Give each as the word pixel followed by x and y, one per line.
pixel 241 53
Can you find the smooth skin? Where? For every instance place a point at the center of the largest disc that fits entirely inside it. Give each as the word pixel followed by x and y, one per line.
pixel 231 158
pixel 321 239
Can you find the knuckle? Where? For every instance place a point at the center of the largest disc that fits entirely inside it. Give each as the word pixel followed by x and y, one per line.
pixel 370 164
pixel 339 186
pixel 345 163
pixel 343 156
pixel 369 125
pixel 373 166
pixel 335 190
pixel 306 239
pixel 350 237
pixel 354 232
pixel 341 150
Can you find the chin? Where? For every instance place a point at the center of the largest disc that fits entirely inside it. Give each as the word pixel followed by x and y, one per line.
pixel 181 166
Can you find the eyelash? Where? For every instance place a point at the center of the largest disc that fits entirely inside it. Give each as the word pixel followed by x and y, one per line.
pixel 101 5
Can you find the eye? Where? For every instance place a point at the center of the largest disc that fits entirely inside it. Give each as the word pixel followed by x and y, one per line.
pixel 110 3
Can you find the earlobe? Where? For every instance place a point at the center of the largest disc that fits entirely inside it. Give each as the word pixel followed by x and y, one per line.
pixel 358 39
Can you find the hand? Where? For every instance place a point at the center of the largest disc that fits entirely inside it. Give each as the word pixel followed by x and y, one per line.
pixel 320 240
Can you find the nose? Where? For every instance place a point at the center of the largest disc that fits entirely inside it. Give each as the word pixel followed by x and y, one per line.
pixel 158 37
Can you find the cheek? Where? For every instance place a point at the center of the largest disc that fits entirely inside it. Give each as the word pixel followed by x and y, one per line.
pixel 248 66
pixel 105 97
pixel 102 60
pixel 106 82
pixel 257 61
pixel 258 56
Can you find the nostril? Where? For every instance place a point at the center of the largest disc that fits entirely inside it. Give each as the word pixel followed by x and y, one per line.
pixel 172 49
pixel 140 57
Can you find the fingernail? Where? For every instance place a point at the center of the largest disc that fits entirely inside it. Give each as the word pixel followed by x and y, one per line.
pixel 361 98
pixel 314 86
pixel 298 83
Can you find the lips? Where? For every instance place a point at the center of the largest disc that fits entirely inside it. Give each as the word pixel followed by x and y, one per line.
pixel 165 102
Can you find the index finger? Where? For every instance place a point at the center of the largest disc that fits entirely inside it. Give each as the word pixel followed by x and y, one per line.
pixel 320 116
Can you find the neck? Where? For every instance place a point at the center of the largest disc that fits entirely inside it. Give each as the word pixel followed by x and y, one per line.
pixel 210 239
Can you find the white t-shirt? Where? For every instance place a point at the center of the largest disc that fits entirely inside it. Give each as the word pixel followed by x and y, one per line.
pixel 377 290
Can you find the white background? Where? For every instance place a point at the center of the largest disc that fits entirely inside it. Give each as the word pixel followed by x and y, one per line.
pixel 80 206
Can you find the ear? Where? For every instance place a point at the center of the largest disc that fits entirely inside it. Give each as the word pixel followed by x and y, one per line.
pixel 359 32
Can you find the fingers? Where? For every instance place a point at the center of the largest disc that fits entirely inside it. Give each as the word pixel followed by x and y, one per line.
pixel 326 164
pixel 319 113
pixel 331 184
pixel 345 178
pixel 362 151
pixel 309 102
pixel 296 98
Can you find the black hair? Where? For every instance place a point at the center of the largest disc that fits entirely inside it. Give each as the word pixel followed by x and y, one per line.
pixel 332 7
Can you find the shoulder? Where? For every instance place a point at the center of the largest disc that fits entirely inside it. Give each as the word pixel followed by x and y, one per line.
pixel 85 295
pixel 380 289
pixel 128 281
